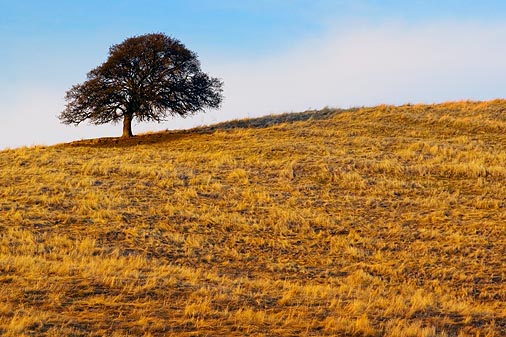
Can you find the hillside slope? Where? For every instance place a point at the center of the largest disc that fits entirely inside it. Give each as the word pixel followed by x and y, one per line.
pixel 384 221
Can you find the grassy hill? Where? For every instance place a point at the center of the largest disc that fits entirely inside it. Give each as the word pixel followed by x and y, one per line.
pixel 384 221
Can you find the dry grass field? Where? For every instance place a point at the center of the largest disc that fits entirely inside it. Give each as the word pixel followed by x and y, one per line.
pixel 385 221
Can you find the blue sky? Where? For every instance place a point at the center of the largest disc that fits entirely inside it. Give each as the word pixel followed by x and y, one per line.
pixel 273 55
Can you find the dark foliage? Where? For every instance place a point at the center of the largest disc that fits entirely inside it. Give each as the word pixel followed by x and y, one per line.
pixel 147 78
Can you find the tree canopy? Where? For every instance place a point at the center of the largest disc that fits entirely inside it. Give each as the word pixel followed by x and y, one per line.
pixel 147 78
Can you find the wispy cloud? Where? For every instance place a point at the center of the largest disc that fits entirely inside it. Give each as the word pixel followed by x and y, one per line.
pixel 367 65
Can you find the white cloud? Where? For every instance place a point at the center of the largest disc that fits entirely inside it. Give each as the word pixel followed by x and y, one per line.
pixel 371 65
pixel 360 65
pixel 31 119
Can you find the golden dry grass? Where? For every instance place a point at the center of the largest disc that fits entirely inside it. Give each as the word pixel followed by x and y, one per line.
pixel 384 221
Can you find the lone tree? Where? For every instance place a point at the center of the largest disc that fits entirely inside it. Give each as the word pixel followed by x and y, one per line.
pixel 149 78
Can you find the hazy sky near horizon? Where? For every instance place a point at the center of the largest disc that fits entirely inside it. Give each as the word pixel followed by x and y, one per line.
pixel 273 55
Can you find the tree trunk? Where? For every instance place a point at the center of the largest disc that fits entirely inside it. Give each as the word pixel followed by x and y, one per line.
pixel 127 126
